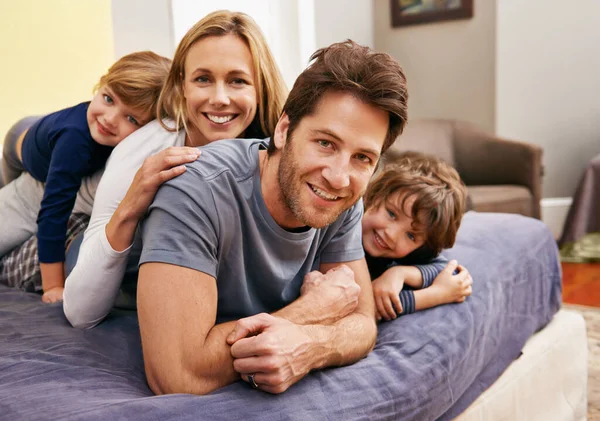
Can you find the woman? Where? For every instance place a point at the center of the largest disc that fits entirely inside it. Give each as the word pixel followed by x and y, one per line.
pixel 223 83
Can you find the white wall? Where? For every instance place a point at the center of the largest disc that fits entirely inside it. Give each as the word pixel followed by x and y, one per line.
pixel 294 29
pixel 450 66
pixel 548 83
pixel 142 25
pixel 338 20
pixel 159 25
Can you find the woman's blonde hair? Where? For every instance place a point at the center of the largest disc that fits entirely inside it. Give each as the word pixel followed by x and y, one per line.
pixel 137 79
pixel 270 88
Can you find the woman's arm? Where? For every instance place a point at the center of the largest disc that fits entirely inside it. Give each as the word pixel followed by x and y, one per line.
pixel 93 285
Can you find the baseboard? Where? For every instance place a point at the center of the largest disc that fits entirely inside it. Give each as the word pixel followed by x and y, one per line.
pixel 554 213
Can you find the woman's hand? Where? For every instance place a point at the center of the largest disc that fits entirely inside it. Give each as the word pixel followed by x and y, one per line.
pixel 155 170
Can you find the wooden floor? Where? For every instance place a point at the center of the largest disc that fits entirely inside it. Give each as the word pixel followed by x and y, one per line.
pixel 581 283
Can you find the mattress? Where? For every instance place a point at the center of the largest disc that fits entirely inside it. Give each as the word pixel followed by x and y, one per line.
pixel 547 382
pixel 430 365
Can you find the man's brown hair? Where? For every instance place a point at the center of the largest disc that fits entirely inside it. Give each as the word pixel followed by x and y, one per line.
pixel 372 77
pixel 439 193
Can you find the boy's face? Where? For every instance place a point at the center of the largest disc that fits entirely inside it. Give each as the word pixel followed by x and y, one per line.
pixel 388 231
pixel 110 121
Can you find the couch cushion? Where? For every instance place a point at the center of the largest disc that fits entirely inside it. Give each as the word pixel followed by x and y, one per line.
pixel 433 137
pixel 501 198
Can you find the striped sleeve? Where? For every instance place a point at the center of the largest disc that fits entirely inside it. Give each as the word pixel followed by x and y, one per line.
pixel 407 299
pixel 432 269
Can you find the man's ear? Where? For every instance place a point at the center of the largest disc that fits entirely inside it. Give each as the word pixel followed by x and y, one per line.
pixel 281 130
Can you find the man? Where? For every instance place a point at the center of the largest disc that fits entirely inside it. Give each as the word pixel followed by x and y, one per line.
pixel 246 231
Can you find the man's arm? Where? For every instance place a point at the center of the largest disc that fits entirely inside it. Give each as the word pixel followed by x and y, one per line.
pixel 306 347
pixel 343 340
pixel 355 334
pixel 185 352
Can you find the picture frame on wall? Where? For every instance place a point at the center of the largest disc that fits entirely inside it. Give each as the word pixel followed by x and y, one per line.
pixel 414 12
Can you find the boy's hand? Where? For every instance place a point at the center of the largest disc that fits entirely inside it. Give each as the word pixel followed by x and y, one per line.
pixel 453 288
pixel 386 290
pixel 53 295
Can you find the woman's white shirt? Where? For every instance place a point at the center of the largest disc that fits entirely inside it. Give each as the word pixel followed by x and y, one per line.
pixel 93 285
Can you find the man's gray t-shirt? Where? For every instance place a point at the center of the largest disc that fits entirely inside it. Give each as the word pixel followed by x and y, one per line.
pixel 213 219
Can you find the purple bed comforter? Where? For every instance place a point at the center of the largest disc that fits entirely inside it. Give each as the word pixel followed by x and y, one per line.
pixel 426 366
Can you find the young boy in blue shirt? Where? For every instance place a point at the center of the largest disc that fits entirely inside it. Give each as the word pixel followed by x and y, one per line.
pixel 63 147
pixel 413 210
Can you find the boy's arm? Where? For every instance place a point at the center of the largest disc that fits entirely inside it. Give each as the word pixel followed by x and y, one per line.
pixel 418 276
pixel 52 281
pixel 430 270
pixel 421 299
pixel 452 287
pixel 67 167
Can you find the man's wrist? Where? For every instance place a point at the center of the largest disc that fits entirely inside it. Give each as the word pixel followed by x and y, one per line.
pixel 301 312
pixel 322 353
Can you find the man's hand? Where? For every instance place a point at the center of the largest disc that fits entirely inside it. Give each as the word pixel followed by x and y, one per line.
pixel 386 290
pixel 276 351
pixel 333 295
pixel 53 295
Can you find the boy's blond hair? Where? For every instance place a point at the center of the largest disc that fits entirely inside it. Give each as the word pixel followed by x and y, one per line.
pixel 439 193
pixel 137 80
pixel 271 90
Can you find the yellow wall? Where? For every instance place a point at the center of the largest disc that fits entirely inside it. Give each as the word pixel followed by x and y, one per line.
pixel 52 53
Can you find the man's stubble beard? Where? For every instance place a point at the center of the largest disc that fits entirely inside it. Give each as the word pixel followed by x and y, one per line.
pixel 290 187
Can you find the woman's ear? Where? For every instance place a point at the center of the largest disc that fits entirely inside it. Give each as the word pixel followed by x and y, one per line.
pixel 281 130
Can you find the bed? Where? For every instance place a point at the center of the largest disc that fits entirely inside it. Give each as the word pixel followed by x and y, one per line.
pixel 430 365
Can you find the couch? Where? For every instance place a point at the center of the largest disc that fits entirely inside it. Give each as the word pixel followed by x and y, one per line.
pixel 501 175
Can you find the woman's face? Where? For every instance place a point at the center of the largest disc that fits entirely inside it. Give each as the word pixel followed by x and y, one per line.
pixel 219 89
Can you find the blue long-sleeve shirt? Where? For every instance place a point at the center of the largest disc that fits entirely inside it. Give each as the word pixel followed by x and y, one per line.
pixel 429 265
pixel 59 151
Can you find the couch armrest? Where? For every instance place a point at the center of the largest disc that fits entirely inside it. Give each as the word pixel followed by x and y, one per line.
pixel 484 159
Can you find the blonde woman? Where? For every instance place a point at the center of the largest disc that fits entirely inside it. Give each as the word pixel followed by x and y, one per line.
pixel 223 83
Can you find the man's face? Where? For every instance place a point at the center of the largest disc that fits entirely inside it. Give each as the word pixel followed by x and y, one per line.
pixel 327 162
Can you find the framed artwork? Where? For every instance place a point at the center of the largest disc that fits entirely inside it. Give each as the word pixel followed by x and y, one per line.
pixel 413 12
